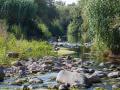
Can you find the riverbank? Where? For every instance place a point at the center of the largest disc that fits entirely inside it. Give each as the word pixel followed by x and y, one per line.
pixel 56 72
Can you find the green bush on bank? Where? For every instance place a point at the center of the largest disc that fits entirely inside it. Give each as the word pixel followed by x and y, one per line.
pixel 35 49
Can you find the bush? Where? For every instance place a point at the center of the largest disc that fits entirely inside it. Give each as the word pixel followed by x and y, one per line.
pixel 35 49
pixel 45 31
pixel 104 20
pixel 73 34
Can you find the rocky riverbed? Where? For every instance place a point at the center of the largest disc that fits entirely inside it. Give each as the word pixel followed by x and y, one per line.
pixel 61 73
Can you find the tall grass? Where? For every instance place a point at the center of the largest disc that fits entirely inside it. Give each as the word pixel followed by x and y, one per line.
pixel 26 49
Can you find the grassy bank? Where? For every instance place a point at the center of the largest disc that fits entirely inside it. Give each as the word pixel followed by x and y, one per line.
pixel 24 48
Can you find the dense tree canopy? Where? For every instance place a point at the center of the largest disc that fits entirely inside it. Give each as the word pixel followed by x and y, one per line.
pixel 104 19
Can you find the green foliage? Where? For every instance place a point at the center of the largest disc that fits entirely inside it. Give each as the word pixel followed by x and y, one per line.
pixel 26 49
pixel 75 31
pixel 72 33
pixel 104 21
pixel 99 88
pixel 45 31
pixel 56 28
pixel 16 30
pixel 17 11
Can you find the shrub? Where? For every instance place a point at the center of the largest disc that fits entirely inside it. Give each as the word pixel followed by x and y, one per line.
pixel 104 20
pixel 34 49
pixel 45 31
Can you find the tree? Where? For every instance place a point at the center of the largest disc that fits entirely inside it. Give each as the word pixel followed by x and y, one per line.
pixel 75 31
pixel 104 20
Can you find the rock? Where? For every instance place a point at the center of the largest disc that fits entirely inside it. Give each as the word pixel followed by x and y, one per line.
pixel 22 71
pixel 25 87
pixel 116 87
pixel 19 81
pixel 114 74
pixel 113 66
pixel 17 63
pixel 64 87
pixel 72 78
pixel 46 67
pixel 94 79
pixel 87 63
pixel 2 74
pixel 100 74
pixel 53 86
pixel 13 54
pixel 34 67
pixel 48 62
pixel 79 70
pixel 68 58
pixel 90 71
pixel 35 80
pixel 102 64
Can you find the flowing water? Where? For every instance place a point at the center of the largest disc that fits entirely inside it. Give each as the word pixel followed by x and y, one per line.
pixel 46 78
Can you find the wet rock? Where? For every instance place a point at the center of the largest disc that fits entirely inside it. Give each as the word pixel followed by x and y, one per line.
pixel 113 66
pixel 114 74
pixel 94 79
pixel 11 71
pixel 100 74
pixel 87 63
pixel 48 62
pixel 116 86
pixel 68 58
pixel 34 67
pixel 102 64
pixel 72 78
pixel 85 70
pixel 19 81
pixel 53 86
pixel 17 63
pixel 46 68
pixel 22 71
pixel 64 87
pixel 91 71
pixel 35 80
pixel 2 74
pixel 25 87
pixel 78 62
pixel 79 70
pixel 52 78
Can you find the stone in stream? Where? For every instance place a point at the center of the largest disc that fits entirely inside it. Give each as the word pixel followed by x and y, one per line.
pixel 72 78
pixel 94 79
pixel 116 87
pixel 114 74
pixel 19 81
pixel 100 74
pixel 64 87
pixel 35 80
pixel 22 71
pixel 34 67
pixel 25 87
pixel 2 74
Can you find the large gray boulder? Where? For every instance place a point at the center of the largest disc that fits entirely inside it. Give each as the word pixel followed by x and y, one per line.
pixel 73 78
